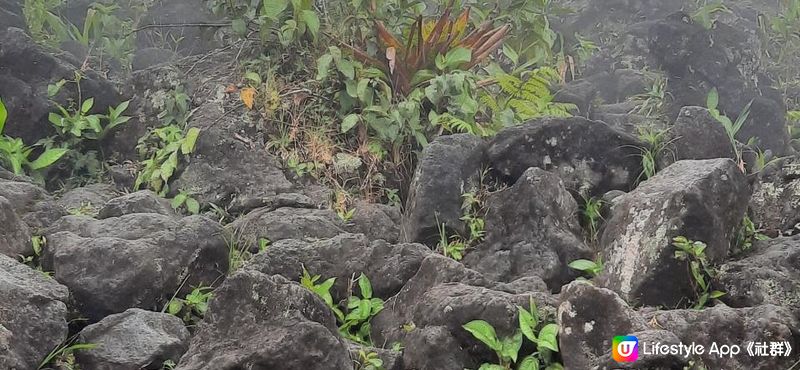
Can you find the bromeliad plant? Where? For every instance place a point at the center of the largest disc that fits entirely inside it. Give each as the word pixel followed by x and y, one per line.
pixel 542 335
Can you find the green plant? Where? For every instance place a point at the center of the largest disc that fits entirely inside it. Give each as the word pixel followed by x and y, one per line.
pixel 652 102
pixel 322 289
pixel 543 336
pixel 590 268
pixel 523 98
pixel 746 234
pixel 168 365
pixel 33 261
pixel 286 20
pixel 656 146
pixel 16 156
pixel 193 307
pixel 184 199
pixel 472 207
pixel 704 15
pixel 161 150
pixel 368 361
pixel 82 125
pixel 85 209
pixel 700 272
pixel 175 108
pixel 592 216
pixel 63 356
pixel 452 247
pixel 346 214
pixel 360 310
pixel 731 128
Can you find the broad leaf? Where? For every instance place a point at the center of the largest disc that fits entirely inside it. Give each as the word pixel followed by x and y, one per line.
pixel 511 346
pixel 272 9
pixel 191 139
pixel 529 363
pixel 87 105
pixel 527 323
pixel 193 206
pixel 323 66
pixel 47 158
pixel 365 286
pixel 583 265
pixel 3 116
pixel 312 22
pixel 712 100
pixel 548 337
pixel 484 332
pixel 350 121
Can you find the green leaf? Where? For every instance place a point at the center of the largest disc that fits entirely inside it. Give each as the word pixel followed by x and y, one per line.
pixel 529 363
pixel 491 367
pixel 253 76
pixel 311 20
pixel 457 57
pixel 87 105
pixel 484 332
pixel 716 294
pixel 191 139
pixel 174 307
pixel 193 206
pixel 3 116
pixel 511 346
pixel 47 158
pixel 365 286
pixel 511 54
pixel 346 67
pixel 548 337
pixel 272 9
pixel 712 100
pixel 582 265
pixel 323 66
pixel 350 121
pixel 239 26
pixel 527 323
pixel 178 200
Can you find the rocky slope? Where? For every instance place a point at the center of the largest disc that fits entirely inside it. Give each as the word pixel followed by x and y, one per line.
pixel 117 258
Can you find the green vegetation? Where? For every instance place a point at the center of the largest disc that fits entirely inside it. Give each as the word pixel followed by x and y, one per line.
pixel 747 234
pixel 354 318
pixel 63 356
pixel 368 361
pixel 731 128
pixel 543 335
pixel 590 268
pixel 185 200
pixel 592 216
pixel 656 146
pixel 700 272
pixel 162 149
pixel 17 156
pixel 34 261
pixel 193 307
pixel 652 102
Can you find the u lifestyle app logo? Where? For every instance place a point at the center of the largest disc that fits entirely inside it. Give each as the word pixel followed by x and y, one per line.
pixel 625 348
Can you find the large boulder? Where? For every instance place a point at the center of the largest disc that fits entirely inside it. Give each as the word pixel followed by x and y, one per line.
pixel 387 266
pixel 255 321
pixel 428 314
pixel 138 260
pixel 532 230
pixel 769 274
pixel 143 201
pixel 91 197
pixel 15 237
pixel 31 203
pixel 697 135
pixel 133 340
pixel 448 168
pixel 226 172
pixel 589 318
pixel 33 315
pixel 700 200
pixel 591 157
pixel 26 69
pixel 775 204
pixel 286 223
pixel 734 326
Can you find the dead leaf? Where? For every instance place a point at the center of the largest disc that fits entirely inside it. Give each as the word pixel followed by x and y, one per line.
pixel 231 89
pixel 391 56
pixel 248 96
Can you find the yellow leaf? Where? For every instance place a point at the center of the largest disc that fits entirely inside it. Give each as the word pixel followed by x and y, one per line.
pixel 391 55
pixel 248 96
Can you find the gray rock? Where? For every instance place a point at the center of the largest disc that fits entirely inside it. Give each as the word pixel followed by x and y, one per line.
pixel 532 230
pixel 91 196
pixel 449 167
pixel 286 223
pixel 696 135
pixel 255 321
pixel 33 315
pixel 589 318
pixel 775 204
pixel 769 274
pixel 376 221
pixel 15 237
pixel 701 200
pixel 591 157
pixel 149 57
pixel 649 361
pixel 226 172
pixel 436 302
pixel 739 326
pixel 387 266
pixel 138 260
pixel 191 39
pixel 143 201
pixel 32 203
pixel 133 340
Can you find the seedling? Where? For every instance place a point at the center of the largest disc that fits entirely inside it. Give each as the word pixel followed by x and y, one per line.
pixel 193 307
pixel 700 272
